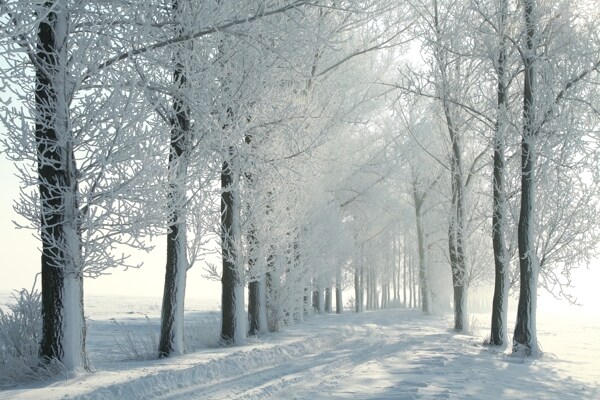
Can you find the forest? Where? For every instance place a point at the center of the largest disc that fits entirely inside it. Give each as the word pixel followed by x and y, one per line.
pixel 333 156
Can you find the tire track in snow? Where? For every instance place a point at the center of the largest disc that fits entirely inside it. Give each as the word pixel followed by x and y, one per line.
pixel 317 370
pixel 225 370
pixel 265 382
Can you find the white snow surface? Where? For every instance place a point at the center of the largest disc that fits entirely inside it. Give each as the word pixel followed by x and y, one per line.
pixel 388 354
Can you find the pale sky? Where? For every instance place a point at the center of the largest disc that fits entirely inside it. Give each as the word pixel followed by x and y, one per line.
pixel 21 258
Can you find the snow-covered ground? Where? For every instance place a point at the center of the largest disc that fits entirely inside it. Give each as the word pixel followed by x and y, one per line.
pixel 390 354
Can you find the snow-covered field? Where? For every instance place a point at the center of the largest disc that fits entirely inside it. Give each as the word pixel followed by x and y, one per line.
pixel 390 354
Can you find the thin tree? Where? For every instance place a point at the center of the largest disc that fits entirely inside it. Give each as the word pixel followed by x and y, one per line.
pixel 498 336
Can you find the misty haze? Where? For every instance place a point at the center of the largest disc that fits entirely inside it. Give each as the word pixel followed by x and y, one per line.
pixel 300 199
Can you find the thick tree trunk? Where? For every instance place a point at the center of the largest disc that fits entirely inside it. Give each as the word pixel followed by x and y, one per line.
pixel 456 233
pixel 306 301
pixel 257 307
pixel 63 324
pixel 256 292
pixel 458 283
pixel 498 335
pixel 171 329
pixel 525 336
pixel 270 282
pixel 317 299
pixel 233 326
pixel 254 307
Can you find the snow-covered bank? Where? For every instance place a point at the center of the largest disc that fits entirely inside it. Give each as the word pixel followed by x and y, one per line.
pixel 391 354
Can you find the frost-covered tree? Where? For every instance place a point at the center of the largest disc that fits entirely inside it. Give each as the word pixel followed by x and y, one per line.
pixel 557 78
pixel 86 170
pixel 455 73
pixel 171 334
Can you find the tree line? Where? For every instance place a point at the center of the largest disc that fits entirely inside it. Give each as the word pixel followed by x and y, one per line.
pixel 406 150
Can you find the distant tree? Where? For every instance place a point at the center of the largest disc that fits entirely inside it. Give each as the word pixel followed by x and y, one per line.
pixel 448 50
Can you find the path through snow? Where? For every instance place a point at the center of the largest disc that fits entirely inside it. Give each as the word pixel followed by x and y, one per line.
pixel 391 354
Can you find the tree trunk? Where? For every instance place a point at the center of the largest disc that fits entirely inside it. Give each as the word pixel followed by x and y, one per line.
pixel 306 301
pixel 316 300
pixel 411 280
pixel 498 336
pixel 254 307
pixel 339 305
pixel 395 272
pixel 63 324
pixel 357 296
pixel 374 288
pixel 456 232
pixel 405 277
pixel 171 330
pixel 233 328
pixel 272 314
pixel 256 292
pixel 328 300
pixel 525 336
pixel 459 287
pixel 368 303
pixel 418 199
pixel 456 238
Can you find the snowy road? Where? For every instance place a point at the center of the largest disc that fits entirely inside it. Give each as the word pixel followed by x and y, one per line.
pixel 393 354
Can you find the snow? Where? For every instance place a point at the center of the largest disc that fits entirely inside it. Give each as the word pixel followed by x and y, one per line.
pixel 240 314
pixel 178 308
pixel 72 323
pixel 388 354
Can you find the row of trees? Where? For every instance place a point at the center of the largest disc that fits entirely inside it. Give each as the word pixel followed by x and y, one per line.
pixel 307 138
pixel 127 115
pixel 515 81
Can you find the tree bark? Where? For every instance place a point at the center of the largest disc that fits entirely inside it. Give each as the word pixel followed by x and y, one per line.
pixel 339 304
pixel 232 296
pixel 456 240
pixel 316 300
pixel 256 295
pixel 253 307
pixel 419 199
pixel 411 283
pixel 328 300
pixel 270 282
pixel 498 335
pixel 171 330
pixel 357 297
pixel 525 337
pixel 404 277
pixel 456 229
pixel 63 324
